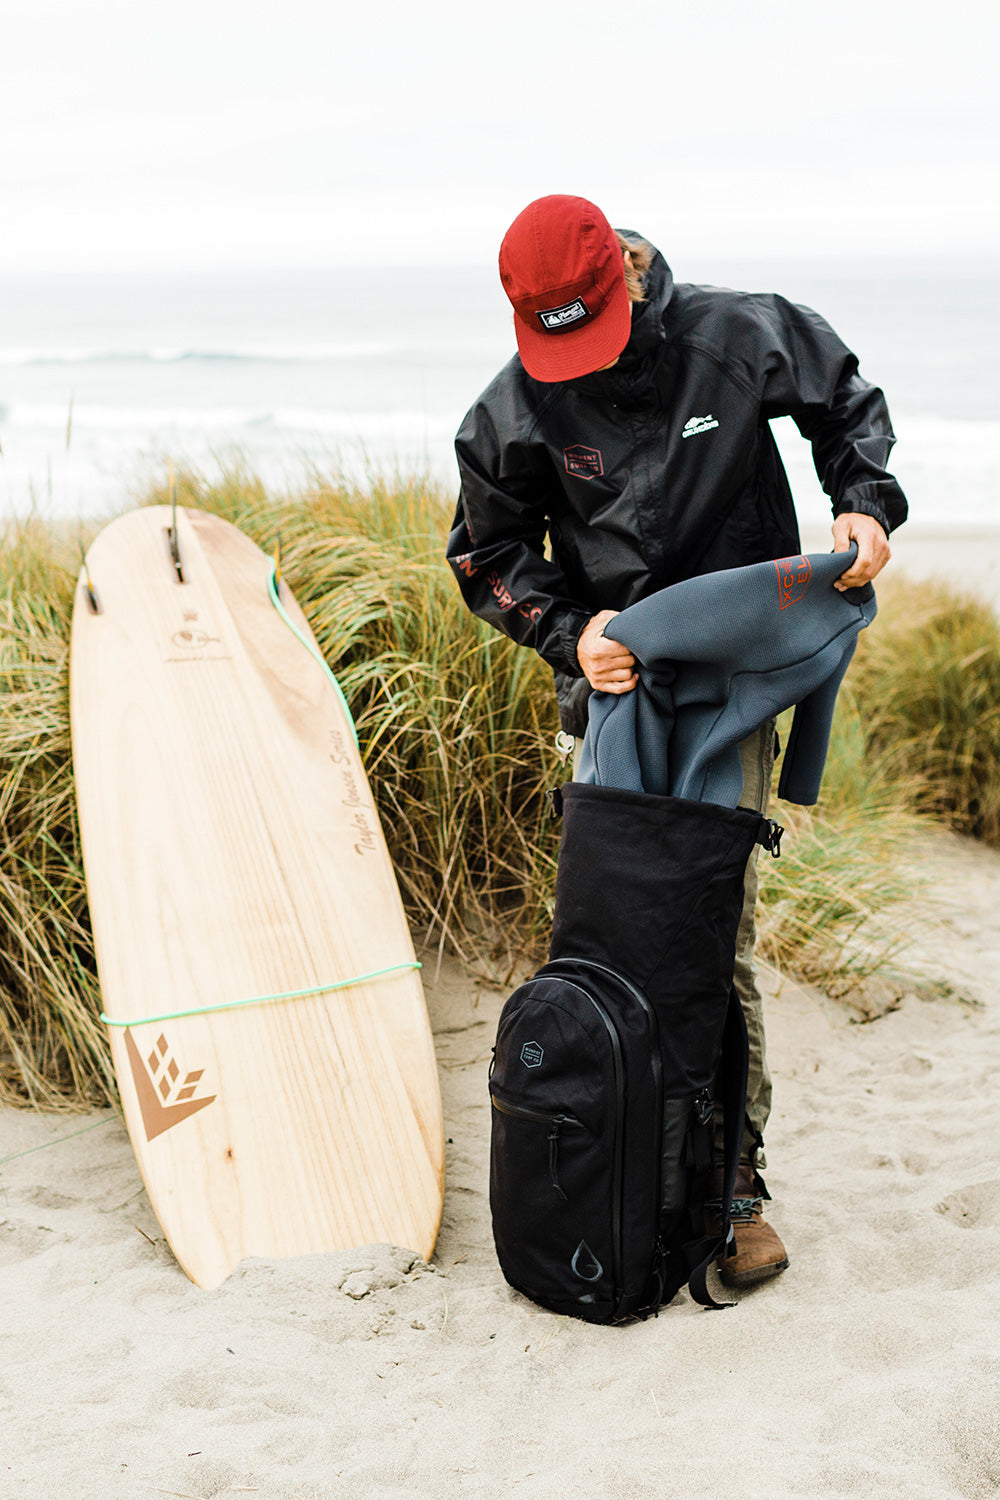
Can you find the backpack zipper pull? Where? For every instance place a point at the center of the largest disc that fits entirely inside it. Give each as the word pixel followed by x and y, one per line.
pixel 554 1156
pixel 771 840
pixel 704 1107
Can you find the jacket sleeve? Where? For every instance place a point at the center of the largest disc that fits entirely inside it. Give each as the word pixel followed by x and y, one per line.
pixel 497 544
pixel 812 377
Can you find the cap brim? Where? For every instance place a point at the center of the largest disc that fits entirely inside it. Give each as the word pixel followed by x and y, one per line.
pixel 576 351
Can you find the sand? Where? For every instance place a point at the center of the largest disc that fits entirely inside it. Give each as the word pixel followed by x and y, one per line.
pixel 870 1368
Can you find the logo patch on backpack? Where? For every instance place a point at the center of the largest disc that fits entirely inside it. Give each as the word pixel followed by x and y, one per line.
pixel 531 1055
pixel 585 1263
pixel 584 462
pixel 794 574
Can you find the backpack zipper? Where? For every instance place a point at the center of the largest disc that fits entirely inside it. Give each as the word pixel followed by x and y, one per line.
pixel 656 1067
pixel 656 1061
pixel 619 1135
pixel 555 1124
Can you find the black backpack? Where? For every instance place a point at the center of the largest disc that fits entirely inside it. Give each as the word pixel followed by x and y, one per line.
pixel 609 1060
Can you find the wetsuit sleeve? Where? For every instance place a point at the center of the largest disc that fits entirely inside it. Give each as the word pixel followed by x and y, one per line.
pixel 812 377
pixel 497 544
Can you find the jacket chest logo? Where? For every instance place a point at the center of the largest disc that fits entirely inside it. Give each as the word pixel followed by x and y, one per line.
pixel 585 462
pixel 694 425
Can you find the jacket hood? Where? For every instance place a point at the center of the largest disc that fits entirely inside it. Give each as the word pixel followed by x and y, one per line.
pixel 628 381
pixel 658 286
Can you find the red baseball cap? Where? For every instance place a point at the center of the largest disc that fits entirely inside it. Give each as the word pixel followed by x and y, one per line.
pixel 561 266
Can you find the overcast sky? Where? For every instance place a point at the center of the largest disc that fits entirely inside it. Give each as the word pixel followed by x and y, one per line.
pixel 217 133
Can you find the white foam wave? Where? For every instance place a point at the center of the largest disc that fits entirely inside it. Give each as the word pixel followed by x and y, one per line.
pixel 939 440
pixel 255 353
pixel 149 420
pixel 945 465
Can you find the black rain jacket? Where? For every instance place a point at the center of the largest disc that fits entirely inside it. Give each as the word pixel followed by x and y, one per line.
pixel 657 470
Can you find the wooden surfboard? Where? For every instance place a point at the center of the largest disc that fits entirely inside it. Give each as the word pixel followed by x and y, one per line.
pixel 233 852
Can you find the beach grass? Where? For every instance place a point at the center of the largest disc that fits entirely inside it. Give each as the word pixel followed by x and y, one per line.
pixel 53 1048
pixel 457 727
pixel 928 685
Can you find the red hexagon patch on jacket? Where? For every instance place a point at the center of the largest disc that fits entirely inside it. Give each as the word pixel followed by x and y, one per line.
pixel 585 462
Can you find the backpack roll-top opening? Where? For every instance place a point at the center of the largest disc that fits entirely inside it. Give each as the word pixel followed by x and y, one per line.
pixel 653 887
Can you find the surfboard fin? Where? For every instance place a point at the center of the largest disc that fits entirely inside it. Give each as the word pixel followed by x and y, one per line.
pixel 175 551
pixel 92 599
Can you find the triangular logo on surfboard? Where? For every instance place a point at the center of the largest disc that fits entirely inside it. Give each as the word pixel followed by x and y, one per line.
pixel 165 1096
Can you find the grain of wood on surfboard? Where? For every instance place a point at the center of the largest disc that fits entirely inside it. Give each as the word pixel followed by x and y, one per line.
pixel 233 853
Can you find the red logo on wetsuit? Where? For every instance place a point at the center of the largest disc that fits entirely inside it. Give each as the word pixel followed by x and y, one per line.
pixel 584 462
pixel 794 574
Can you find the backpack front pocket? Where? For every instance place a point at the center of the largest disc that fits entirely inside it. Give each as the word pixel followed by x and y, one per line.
pixel 554 1198
pixel 555 1168
pixel 554 1126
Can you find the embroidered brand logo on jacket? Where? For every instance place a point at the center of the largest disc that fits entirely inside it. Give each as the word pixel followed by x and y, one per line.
pixel 794 574
pixel 586 463
pixel 554 318
pixel 694 425
pixel 506 600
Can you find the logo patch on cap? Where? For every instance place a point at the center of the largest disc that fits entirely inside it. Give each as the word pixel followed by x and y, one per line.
pixel 554 319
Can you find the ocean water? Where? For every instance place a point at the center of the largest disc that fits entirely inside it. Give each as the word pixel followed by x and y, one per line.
pixel 103 378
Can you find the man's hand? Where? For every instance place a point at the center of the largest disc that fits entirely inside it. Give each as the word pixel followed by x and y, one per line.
pixel 873 548
pixel 607 665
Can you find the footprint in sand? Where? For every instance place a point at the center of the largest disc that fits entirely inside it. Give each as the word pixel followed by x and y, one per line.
pixel 22 1241
pixel 43 1197
pixel 915 1064
pixel 972 1206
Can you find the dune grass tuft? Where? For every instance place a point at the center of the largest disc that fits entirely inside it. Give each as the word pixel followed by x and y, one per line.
pixel 52 1047
pixel 457 727
pixel 928 685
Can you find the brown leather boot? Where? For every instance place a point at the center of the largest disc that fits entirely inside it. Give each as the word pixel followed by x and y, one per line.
pixel 759 1252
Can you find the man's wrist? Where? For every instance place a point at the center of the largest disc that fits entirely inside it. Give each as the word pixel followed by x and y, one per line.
pixel 867 508
pixel 571 629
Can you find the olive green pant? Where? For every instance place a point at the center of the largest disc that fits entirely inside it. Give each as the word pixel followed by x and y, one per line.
pixel 757 756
